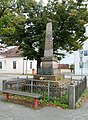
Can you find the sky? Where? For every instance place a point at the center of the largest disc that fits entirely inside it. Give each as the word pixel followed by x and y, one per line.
pixel 45 1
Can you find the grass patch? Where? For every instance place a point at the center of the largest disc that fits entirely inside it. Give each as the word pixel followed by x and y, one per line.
pixel 29 102
pixel 83 98
pixel 55 103
pixel 58 102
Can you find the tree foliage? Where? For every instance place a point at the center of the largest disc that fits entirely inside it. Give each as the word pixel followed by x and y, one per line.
pixel 9 18
pixel 68 19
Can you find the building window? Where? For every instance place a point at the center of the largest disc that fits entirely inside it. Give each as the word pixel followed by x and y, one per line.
pixel 85 52
pixel 86 65
pixel 30 65
pixel 0 65
pixel 14 64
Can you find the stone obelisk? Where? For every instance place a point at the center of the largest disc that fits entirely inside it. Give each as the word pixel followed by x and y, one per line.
pixel 48 51
pixel 49 68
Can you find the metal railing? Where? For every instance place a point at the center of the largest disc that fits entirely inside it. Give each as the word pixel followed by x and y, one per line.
pixel 77 87
pixel 50 89
pixel 47 88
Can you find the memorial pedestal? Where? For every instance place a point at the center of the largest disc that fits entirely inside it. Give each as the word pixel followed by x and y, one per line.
pixel 49 69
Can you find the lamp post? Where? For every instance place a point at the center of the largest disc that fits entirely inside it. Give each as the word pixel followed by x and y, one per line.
pixel 81 62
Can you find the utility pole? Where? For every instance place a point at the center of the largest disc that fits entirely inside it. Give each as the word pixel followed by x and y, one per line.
pixel 41 4
pixel 41 1
pixel 81 62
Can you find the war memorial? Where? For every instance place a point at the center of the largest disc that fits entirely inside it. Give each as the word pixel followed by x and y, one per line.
pixel 49 67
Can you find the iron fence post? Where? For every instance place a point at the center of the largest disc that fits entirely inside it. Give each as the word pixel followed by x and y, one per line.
pixel 48 90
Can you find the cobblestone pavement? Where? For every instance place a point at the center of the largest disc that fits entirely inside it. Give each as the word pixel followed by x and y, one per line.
pixel 10 111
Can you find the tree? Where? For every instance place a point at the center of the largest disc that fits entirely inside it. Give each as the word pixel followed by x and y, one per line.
pixel 9 18
pixel 68 19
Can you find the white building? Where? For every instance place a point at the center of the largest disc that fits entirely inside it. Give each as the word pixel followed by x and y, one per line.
pixel 11 61
pixel 81 58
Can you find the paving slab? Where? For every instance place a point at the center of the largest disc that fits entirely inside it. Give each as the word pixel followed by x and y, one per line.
pixel 10 111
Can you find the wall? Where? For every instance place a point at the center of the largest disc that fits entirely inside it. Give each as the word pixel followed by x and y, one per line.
pixel 22 66
pixel 78 70
pixel 27 69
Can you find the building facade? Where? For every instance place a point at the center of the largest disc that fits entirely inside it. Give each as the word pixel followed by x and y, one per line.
pixel 11 61
pixel 81 58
